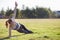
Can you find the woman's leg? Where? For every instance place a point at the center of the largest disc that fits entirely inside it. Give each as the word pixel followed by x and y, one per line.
pixel 21 30
pixel 25 29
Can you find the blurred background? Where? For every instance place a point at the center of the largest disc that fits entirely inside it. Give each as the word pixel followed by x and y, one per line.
pixel 30 9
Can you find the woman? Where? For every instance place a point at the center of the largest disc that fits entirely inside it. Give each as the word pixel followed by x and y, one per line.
pixel 17 26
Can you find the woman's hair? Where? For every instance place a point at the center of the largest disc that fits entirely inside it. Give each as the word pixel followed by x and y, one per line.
pixel 8 21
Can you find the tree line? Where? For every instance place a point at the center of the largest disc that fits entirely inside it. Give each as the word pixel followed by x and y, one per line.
pixel 29 13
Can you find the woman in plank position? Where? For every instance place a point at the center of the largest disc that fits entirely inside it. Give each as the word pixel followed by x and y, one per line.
pixel 12 24
pixel 17 26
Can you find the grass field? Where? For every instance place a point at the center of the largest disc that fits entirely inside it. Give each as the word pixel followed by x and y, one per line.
pixel 44 29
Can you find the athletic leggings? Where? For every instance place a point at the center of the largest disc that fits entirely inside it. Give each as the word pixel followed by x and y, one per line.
pixel 23 29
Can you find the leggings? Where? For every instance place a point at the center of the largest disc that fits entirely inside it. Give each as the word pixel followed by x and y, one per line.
pixel 23 29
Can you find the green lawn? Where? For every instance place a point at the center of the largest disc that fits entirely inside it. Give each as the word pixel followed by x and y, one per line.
pixel 44 29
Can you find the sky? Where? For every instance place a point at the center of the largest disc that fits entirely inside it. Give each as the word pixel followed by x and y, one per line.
pixel 52 4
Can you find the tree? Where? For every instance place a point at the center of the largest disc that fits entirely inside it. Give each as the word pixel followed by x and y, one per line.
pixel 41 12
pixel 37 13
pixel 8 12
pixel 2 12
pixel 18 14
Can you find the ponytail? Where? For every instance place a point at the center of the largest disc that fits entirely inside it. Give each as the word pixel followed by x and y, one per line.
pixel 6 23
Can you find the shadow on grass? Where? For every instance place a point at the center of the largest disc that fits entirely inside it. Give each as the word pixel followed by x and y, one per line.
pixel 10 37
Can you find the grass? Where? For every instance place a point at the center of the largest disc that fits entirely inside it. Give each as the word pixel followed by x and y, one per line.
pixel 44 29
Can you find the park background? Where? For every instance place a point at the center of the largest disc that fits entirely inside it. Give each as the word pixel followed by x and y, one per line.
pixel 30 9
pixel 38 12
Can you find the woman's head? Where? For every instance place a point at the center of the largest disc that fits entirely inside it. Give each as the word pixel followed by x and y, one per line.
pixel 9 21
